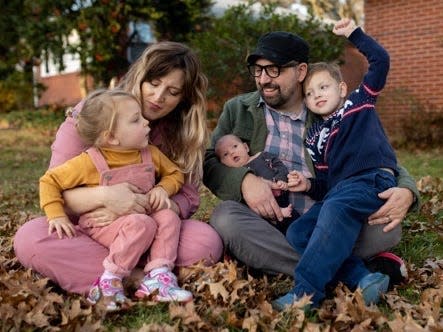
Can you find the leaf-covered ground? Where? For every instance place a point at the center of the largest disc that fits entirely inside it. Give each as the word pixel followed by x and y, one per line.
pixel 227 296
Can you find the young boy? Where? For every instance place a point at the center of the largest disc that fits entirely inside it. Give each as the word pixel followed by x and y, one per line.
pixel 233 152
pixel 354 162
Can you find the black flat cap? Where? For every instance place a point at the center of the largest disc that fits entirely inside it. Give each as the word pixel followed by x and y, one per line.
pixel 280 47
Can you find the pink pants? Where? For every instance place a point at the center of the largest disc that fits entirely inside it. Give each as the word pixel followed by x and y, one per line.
pixel 128 237
pixel 75 263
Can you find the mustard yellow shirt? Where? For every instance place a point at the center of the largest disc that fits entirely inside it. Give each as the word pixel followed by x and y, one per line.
pixel 81 171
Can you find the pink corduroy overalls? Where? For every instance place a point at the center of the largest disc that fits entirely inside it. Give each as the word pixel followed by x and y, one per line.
pixel 128 237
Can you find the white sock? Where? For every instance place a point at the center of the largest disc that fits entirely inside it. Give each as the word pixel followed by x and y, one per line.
pixel 109 275
pixel 158 270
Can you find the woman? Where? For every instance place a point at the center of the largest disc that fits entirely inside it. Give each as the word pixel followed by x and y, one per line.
pixel 168 81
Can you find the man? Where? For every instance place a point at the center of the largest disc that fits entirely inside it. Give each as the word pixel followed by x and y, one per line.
pixel 274 119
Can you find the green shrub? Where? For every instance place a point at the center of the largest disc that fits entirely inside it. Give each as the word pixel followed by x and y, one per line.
pixel 422 129
pixel 417 123
pixel 224 46
pixel 16 92
pixel 45 118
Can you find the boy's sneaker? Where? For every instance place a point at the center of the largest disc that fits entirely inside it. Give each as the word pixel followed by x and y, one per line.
pixel 286 301
pixel 111 290
pixel 372 285
pixel 391 265
pixel 165 282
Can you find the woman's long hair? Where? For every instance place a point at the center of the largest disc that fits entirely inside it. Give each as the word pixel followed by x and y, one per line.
pixel 185 133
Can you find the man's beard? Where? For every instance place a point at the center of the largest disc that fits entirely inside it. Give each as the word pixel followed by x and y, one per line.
pixel 277 100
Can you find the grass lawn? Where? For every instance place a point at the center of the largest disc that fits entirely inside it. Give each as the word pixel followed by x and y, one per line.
pixel 226 297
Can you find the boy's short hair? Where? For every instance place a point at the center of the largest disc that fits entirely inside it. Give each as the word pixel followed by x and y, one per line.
pixel 331 67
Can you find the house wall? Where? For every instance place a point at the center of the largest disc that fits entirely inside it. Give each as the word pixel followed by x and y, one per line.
pixel 354 67
pixel 412 32
pixel 63 89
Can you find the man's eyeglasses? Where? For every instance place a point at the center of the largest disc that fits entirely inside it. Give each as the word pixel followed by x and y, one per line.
pixel 272 71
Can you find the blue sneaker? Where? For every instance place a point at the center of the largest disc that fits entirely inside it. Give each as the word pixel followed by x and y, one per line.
pixel 372 285
pixel 288 300
pixel 284 301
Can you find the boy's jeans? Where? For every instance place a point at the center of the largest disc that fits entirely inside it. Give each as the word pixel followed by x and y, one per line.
pixel 326 234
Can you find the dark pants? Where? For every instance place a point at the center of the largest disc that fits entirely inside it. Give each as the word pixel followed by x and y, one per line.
pixel 325 235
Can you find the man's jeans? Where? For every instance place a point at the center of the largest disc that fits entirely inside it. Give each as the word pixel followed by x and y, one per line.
pixel 326 234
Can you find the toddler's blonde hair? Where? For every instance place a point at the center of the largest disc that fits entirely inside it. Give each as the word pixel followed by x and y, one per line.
pixel 98 117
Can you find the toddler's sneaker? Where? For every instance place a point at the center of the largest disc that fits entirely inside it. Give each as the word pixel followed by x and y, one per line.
pixel 391 265
pixel 165 282
pixel 372 285
pixel 112 292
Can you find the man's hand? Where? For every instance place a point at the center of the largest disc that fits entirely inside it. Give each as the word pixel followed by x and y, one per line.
pixel 258 195
pixel 62 225
pixel 344 27
pixel 394 210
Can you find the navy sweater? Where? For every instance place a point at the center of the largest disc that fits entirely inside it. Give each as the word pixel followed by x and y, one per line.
pixel 352 139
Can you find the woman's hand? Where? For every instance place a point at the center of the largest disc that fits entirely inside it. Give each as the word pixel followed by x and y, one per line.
pixel 174 207
pixel 398 202
pixel 124 198
pixel 118 200
pixel 101 217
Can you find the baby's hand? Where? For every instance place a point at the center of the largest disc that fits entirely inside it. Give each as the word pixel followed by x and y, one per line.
pixel 281 185
pixel 287 211
pixel 61 225
pixel 297 182
pixel 344 27
pixel 158 199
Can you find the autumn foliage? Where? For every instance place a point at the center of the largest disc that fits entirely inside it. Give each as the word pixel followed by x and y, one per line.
pixel 227 295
